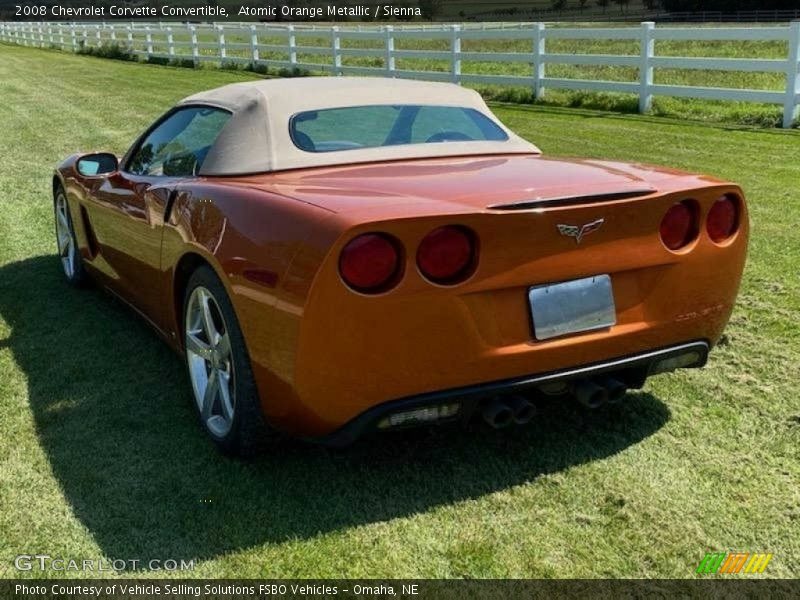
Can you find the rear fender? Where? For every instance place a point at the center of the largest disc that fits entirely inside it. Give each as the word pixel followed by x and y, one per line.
pixel 263 248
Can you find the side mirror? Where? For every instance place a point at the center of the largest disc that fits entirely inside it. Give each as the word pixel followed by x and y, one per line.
pixel 100 163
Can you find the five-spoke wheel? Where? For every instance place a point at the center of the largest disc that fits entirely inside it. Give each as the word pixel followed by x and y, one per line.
pixel 208 350
pixel 219 367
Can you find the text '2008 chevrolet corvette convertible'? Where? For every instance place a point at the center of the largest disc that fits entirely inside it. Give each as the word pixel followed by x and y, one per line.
pixel 334 256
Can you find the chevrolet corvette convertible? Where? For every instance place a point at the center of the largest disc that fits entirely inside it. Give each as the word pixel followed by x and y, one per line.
pixel 338 256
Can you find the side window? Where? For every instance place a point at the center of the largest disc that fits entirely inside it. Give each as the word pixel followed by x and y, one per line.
pixel 178 145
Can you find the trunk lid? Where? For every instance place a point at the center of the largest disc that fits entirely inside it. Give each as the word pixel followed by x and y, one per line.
pixel 467 183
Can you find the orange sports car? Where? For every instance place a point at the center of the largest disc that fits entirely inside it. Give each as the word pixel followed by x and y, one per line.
pixel 334 256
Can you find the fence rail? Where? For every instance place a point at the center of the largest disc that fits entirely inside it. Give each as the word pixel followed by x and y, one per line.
pixel 281 46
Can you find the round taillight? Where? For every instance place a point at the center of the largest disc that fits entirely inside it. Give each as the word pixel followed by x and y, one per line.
pixel 679 225
pixel 447 255
pixel 370 263
pixel 723 219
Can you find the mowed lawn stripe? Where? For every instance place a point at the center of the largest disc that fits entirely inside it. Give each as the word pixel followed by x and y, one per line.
pixel 101 456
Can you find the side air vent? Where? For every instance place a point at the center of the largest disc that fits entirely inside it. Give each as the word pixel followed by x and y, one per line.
pixel 90 237
pixel 568 200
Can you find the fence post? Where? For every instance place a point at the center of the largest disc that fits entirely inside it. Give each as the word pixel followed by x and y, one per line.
pixel 539 45
pixel 221 40
pixel 389 32
pixel 254 44
pixel 336 46
pixel 455 53
pixel 646 67
pixel 170 42
pixel 149 39
pixel 129 37
pixel 292 46
pixel 113 33
pixel 98 37
pixel 195 49
pixel 790 106
pixel 74 39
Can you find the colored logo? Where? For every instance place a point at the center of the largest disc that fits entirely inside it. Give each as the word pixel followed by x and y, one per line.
pixel 733 562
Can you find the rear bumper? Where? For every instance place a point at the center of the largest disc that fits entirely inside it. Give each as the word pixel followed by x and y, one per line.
pixel 634 369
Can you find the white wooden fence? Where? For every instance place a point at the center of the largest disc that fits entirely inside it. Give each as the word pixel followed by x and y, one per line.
pixel 277 46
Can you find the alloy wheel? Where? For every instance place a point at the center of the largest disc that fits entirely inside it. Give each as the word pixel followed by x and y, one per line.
pixel 208 354
pixel 64 237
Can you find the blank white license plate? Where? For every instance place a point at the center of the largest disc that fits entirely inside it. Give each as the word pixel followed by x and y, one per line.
pixel 572 306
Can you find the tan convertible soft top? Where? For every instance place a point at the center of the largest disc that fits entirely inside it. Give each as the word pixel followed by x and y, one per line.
pixel 256 139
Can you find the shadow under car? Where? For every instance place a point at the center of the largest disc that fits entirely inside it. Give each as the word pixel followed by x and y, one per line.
pixel 113 412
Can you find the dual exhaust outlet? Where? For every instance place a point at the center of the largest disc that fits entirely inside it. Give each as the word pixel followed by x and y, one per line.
pixel 502 412
pixel 595 393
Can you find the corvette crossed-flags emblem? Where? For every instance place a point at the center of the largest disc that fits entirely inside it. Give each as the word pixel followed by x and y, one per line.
pixel 580 231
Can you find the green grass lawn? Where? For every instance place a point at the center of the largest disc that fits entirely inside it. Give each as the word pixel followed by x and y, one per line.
pixel 100 454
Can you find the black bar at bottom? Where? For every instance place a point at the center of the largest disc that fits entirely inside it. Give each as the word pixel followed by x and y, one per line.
pixel 733 586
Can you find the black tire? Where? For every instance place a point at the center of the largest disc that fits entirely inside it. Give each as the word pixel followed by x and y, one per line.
pixel 75 273
pixel 249 433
